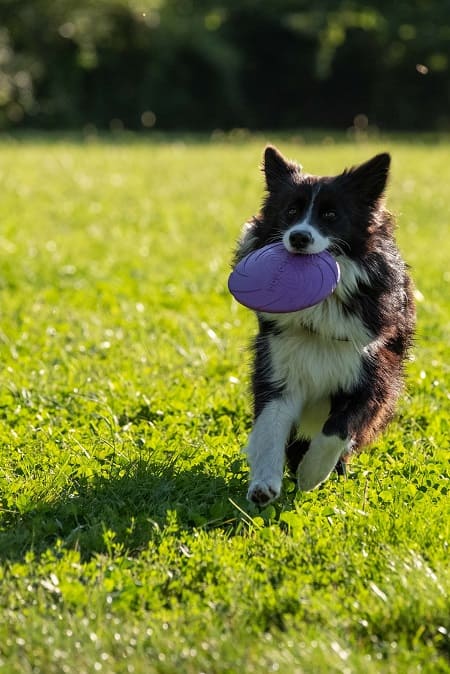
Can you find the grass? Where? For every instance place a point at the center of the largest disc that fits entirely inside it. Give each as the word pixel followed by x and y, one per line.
pixel 126 542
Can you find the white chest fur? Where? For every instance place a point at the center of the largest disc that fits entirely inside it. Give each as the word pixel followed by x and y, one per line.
pixel 311 366
pixel 318 350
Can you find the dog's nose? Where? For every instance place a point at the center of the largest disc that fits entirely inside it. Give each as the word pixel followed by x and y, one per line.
pixel 300 239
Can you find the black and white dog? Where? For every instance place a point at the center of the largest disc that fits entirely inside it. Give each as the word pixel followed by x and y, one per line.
pixel 326 379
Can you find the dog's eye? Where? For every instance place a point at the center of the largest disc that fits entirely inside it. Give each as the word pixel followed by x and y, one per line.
pixel 292 212
pixel 329 214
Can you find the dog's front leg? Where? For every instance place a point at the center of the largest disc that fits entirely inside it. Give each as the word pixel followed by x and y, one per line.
pixel 266 449
pixel 320 460
pixel 334 441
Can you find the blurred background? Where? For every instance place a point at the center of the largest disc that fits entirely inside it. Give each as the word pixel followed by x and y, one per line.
pixel 203 65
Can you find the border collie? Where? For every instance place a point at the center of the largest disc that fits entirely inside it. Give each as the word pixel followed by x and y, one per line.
pixel 326 379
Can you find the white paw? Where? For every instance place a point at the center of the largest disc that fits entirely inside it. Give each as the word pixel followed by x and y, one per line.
pixel 319 461
pixel 310 479
pixel 263 492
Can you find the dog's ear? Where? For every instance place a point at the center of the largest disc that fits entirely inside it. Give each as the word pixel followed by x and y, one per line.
pixel 369 180
pixel 278 170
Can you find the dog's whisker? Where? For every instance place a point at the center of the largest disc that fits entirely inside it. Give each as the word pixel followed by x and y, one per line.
pixel 339 245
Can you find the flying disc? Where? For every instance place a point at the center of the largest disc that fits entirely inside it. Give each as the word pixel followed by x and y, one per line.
pixel 274 280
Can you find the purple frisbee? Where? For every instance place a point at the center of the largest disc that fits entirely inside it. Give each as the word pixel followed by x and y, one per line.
pixel 274 280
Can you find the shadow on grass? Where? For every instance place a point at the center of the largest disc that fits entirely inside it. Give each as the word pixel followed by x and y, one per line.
pixel 130 509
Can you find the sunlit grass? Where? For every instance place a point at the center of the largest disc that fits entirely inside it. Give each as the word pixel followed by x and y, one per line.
pixel 126 541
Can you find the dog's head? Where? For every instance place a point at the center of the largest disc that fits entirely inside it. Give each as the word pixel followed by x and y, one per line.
pixel 310 214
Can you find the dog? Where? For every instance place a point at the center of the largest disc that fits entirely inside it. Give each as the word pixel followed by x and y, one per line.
pixel 326 379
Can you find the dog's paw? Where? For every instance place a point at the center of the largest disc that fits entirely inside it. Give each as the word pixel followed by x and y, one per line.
pixel 263 492
pixel 319 461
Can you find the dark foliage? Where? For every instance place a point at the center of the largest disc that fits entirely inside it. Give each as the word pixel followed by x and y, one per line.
pixel 180 64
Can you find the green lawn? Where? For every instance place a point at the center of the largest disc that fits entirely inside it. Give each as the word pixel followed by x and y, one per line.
pixel 126 542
